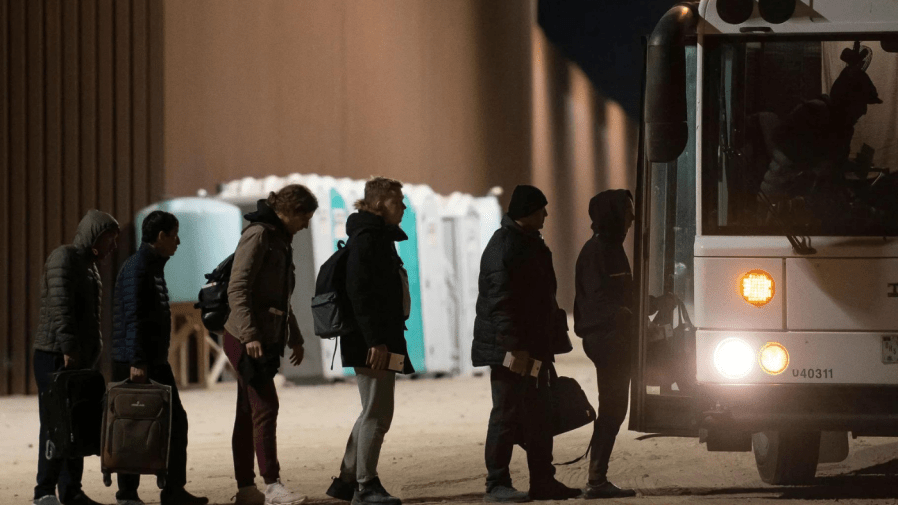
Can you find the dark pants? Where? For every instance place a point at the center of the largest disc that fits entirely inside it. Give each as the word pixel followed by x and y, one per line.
pixel 52 473
pixel 611 355
pixel 176 477
pixel 521 413
pixel 255 424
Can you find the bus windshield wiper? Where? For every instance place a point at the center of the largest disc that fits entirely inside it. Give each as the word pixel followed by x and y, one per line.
pixel 800 245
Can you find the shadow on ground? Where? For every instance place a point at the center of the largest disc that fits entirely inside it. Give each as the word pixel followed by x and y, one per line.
pixel 877 481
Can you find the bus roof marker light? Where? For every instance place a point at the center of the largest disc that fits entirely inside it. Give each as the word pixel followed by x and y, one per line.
pixel 776 11
pixel 757 287
pixel 734 358
pixel 773 358
pixel 735 12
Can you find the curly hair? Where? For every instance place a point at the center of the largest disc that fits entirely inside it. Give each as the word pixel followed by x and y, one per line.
pixel 292 200
pixel 377 189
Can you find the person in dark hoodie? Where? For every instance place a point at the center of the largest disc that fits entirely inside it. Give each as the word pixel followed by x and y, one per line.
pixel 517 313
pixel 259 326
pixel 140 342
pixel 377 288
pixel 68 337
pixel 603 313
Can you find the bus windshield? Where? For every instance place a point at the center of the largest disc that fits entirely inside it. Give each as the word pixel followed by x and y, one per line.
pixel 800 137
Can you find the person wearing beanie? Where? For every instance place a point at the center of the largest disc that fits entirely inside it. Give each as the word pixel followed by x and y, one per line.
pixel 517 315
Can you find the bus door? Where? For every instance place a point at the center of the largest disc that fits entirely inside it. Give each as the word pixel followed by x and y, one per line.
pixel 663 396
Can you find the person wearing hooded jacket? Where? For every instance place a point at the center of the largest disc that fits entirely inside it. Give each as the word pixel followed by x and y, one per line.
pixel 603 312
pixel 260 324
pixel 68 337
pixel 140 344
pixel 377 288
pixel 517 313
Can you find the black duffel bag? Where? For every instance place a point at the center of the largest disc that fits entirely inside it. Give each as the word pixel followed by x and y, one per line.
pixel 74 409
pixel 570 406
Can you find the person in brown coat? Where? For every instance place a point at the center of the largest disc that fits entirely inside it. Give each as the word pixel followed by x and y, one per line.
pixel 259 326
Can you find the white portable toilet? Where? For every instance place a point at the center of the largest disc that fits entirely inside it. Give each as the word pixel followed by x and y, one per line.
pixel 440 345
pixel 490 214
pixel 462 251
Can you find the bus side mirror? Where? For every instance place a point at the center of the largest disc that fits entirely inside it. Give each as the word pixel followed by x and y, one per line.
pixel 666 130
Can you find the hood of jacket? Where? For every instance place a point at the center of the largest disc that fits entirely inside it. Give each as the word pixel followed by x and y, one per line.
pixel 265 214
pixel 608 211
pixel 364 220
pixel 92 225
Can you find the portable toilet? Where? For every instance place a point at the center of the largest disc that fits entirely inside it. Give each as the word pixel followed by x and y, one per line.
pixel 490 214
pixel 440 348
pixel 334 230
pixel 245 194
pixel 462 251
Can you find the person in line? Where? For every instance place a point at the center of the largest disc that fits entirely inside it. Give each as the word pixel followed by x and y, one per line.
pixel 517 313
pixel 603 316
pixel 68 337
pixel 260 325
pixel 140 342
pixel 377 288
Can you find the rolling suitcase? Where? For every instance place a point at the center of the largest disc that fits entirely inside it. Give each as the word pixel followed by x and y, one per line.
pixel 74 404
pixel 136 430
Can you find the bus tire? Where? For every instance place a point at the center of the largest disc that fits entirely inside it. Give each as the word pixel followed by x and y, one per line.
pixel 786 457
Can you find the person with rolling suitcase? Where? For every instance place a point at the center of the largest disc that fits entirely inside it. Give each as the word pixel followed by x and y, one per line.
pixel 140 343
pixel 68 338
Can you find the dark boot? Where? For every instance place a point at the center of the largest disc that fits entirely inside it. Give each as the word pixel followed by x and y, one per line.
pixel 342 490
pixel 181 497
pixel 80 499
pixel 606 490
pixel 553 490
pixel 601 445
pixel 373 493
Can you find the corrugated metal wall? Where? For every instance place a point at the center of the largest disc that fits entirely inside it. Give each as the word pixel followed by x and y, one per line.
pixel 82 91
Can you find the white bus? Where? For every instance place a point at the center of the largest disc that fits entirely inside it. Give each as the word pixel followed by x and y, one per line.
pixel 773 216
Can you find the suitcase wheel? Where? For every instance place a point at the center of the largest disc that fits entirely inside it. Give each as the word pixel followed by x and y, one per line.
pixel 107 479
pixel 160 481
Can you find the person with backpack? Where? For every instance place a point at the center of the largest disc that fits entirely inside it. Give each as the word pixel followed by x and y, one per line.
pixel 260 324
pixel 377 289
pixel 603 317
pixel 519 318
pixel 140 342
pixel 68 337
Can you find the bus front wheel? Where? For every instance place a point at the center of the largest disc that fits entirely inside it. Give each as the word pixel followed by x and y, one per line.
pixel 786 457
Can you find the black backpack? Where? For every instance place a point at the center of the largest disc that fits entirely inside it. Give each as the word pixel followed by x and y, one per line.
pixel 331 310
pixel 213 297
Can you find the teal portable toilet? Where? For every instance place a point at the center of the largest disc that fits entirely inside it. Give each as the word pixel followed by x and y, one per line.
pixel 408 252
pixel 209 231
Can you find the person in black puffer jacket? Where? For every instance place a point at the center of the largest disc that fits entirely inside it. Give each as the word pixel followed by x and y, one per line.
pixel 68 336
pixel 377 288
pixel 603 316
pixel 517 313
pixel 140 342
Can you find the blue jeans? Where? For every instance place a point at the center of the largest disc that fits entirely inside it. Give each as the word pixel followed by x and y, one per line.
pixel 52 473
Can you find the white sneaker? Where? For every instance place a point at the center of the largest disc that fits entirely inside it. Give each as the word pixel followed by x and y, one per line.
pixel 249 495
pixel 278 494
pixel 50 499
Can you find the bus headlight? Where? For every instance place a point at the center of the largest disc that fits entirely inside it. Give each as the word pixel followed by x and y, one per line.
pixel 757 287
pixel 733 358
pixel 774 358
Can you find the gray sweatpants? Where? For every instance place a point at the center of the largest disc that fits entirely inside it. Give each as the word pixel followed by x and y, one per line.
pixel 377 389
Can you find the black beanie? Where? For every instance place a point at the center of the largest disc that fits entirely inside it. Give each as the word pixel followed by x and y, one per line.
pixel 525 201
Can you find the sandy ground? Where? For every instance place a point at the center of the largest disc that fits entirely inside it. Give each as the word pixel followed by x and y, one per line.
pixel 434 451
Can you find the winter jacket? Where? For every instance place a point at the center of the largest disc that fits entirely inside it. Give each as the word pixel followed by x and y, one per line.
pixel 71 294
pixel 374 289
pixel 604 281
pixel 516 306
pixel 142 329
pixel 262 280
